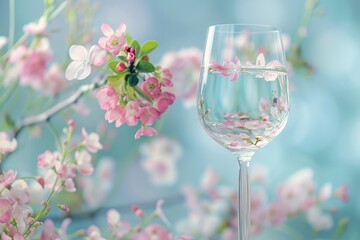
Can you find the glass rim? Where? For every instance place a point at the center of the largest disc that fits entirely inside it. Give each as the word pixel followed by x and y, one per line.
pixel 242 26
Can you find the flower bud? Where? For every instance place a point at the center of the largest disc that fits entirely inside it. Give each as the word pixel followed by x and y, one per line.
pixel 120 67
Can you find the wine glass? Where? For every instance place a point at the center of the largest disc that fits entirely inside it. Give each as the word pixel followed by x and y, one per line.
pixel 243 96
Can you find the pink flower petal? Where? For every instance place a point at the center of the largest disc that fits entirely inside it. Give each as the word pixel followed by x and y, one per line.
pixel 5 211
pixel 260 60
pixel 107 30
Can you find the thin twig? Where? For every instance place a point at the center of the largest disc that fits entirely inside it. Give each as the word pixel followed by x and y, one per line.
pixel 46 115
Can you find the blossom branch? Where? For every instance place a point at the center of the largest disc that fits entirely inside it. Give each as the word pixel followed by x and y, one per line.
pixel 46 115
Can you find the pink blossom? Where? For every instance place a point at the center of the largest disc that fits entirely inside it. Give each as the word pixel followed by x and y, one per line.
pixel 83 161
pixel 64 171
pixel 118 227
pixel 184 65
pixel 107 98
pixel 7 178
pixel 228 68
pixel 36 28
pixel 264 105
pixel 19 193
pixel 137 211
pixel 318 219
pixel 342 193
pixel 154 231
pixel 276 213
pixel 32 63
pixel 7 145
pixel 91 141
pixel 54 81
pixel 268 75
pixel 70 185
pixel 94 233
pixel 82 59
pixel 151 87
pixel 145 131
pixel 5 211
pixel 148 115
pixel 165 78
pixel 163 101
pixel 113 41
pixel 131 113
pixel 209 179
pixel 48 231
pixel 48 159
pixel 117 114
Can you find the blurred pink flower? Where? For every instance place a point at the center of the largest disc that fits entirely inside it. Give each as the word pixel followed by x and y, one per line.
pixel 165 77
pixel 267 75
pixel 7 145
pixel 118 227
pixel 107 98
pixel 82 59
pixel 276 213
pixel 5 211
pixel 342 193
pixel 209 180
pixel 94 233
pixel 159 158
pixel 36 28
pixel 113 41
pixel 91 141
pixel 83 162
pixel 54 81
pixel 154 231
pixel 95 188
pixel 32 63
pixel 185 68
pixel 6 178
pixel 48 159
pixel 318 219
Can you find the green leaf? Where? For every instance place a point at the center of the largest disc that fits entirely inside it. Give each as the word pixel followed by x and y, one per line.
pixel 145 67
pixel 112 66
pixel 9 121
pixel 113 78
pixel 135 44
pixel 149 46
pixel 128 39
pixel 123 59
pixel 340 230
pixel 133 80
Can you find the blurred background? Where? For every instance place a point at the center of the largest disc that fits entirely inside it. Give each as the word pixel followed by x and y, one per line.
pixel 323 131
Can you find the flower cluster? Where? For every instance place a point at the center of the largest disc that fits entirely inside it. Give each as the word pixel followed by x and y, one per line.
pixel 135 90
pixel 119 228
pixel 234 68
pixel 213 207
pixel 57 173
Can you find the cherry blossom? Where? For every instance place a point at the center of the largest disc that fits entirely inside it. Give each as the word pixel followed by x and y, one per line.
pixel 5 211
pixel 183 68
pixel 318 219
pixel 6 178
pixel 107 98
pixel 83 160
pixel 113 40
pixel 145 131
pixel 36 28
pixel 91 141
pixel 82 60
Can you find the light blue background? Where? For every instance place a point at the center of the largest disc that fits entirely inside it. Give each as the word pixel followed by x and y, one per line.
pixel 323 131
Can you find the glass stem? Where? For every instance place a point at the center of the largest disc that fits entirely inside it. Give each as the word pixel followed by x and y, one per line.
pixel 244 198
